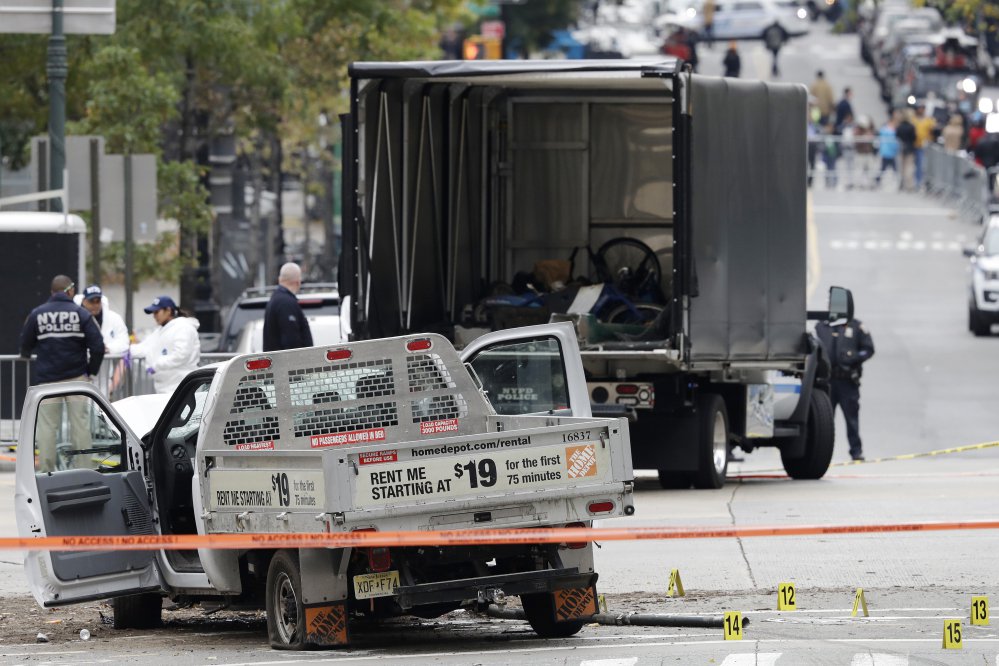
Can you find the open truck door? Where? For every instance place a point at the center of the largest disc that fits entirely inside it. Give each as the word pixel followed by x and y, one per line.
pixel 79 473
pixel 531 370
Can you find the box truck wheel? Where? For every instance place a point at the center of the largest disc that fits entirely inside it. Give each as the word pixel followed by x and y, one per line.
pixel 539 609
pixel 285 611
pixel 138 611
pixel 819 434
pixel 712 441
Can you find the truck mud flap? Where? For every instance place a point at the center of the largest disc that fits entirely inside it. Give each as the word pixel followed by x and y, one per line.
pixel 548 580
pixel 326 624
pixel 575 603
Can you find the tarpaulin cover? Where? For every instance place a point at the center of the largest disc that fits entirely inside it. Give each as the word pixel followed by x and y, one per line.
pixel 748 219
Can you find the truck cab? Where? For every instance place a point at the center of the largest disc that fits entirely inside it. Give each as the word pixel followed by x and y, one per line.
pixel 384 435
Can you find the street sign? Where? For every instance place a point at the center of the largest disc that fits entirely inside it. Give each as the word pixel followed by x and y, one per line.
pixel 80 17
pixel 492 29
pixel 112 182
pixel 77 165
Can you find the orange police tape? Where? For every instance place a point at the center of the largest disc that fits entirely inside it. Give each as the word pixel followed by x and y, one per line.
pixel 458 538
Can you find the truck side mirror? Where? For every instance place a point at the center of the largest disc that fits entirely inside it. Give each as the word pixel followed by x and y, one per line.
pixel 840 303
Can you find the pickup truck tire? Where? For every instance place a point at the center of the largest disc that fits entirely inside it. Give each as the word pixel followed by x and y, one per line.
pixel 674 480
pixel 138 611
pixel 712 441
pixel 539 609
pixel 285 611
pixel 820 436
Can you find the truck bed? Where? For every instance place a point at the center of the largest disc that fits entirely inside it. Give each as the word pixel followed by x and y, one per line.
pixel 409 442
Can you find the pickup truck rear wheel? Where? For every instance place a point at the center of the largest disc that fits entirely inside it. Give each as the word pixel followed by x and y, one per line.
pixel 138 611
pixel 820 436
pixel 540 612
pixel 674 480
pixel 712 441
pixel 285 611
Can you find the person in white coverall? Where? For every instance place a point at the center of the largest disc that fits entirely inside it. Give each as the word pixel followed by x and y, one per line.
pixel 172 350
pixel 113 328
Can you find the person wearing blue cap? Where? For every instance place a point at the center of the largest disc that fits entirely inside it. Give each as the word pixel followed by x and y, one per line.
pixel 172 350
pixel 112 326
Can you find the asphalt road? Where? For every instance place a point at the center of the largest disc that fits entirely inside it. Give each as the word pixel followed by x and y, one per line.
pixel 930 386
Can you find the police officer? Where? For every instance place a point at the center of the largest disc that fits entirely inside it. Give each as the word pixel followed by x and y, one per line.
pixel 285 325
pixel 62 333
pixel 848 345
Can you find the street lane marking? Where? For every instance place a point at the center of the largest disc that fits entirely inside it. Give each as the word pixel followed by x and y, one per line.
pixel 752 659
pixel 879 659
pixel 629 661
pixel 900 245
pixel 883 210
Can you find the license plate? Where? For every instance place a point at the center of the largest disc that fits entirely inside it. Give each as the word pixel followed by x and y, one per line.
pixel 369 586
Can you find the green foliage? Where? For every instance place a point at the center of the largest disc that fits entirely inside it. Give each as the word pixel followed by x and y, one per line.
pixel 125 103
pixel 160 260
pixel 177 72
pixel 182 196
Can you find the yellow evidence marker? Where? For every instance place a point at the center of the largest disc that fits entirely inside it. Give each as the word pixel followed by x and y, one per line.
pixel 785 597
pixel 980 611
pixel 601 603
pixel 859 601
pixel 733 626
pixel 952 635
pixel 675 585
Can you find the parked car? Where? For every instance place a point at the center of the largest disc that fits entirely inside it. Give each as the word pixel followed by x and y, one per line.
pixel 949 74
pixel 771 20
pixel 983 300
pixel 316 299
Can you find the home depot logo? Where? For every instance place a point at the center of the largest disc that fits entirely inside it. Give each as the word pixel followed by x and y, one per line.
pixel 581 461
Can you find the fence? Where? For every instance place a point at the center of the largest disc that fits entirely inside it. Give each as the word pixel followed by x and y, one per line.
pixel 962 181
pixel 116 380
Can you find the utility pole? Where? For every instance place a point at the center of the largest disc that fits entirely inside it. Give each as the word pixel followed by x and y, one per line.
pixel 56 68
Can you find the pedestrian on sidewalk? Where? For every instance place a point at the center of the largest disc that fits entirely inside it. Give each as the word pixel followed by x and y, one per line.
pixel 732 61
pixel 905 130
pixel 888 147
pixel 823 94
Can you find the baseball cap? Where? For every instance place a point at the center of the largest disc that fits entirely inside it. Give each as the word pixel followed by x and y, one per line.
pixel 93 291
pixel 159 303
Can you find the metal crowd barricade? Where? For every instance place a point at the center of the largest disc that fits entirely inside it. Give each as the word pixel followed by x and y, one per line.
pixel 116 379
pixel 959 179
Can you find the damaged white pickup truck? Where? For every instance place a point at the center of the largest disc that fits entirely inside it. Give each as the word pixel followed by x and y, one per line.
pixel 384 435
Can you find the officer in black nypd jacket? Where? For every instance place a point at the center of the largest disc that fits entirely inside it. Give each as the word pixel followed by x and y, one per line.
pixel 61 333
pixel 285 325
pixel 848 345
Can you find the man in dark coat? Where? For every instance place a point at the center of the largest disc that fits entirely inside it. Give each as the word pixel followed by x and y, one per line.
pixel 285 325
pixel 848 345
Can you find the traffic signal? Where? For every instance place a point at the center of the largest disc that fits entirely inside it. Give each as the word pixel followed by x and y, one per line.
pixel 478 47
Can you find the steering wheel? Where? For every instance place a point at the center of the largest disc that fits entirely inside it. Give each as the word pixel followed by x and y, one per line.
pixel 632 267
